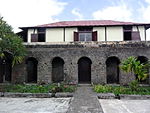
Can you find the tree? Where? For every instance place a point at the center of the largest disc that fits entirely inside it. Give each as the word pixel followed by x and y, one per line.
pixel 131 64
pixel 10 44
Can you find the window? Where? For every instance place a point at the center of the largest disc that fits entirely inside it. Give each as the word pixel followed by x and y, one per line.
pixel 127 36
pixel 39 37
pixel 85 34
pixel 127 33
pixel 34 37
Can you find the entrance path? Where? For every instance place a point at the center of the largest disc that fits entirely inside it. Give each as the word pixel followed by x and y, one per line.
pixel 85 101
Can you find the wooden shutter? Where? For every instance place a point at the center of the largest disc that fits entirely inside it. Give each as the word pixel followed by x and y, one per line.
pixel 76 36
pixel 34 37
pixel 94 36
pixel 135 35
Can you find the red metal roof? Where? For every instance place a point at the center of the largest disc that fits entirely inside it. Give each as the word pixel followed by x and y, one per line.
pixel 89 23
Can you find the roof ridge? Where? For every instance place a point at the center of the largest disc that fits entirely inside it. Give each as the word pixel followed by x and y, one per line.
pixel 88 23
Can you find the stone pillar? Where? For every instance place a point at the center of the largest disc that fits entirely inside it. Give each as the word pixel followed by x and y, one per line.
pixel 71 72
pixel 44 72
pixel 19 73
pixel 98 73
pixel 126 78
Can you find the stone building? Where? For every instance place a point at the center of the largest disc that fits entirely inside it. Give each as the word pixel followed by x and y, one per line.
pixel 79 52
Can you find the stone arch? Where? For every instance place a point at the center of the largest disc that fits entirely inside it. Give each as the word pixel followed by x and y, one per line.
pixel 143 60
pixel 112 69
pixel 57 69
pixel 84 70
pixel 32 64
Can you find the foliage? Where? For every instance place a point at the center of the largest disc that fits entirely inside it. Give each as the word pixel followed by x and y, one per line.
pixel 131 64
pixel 53 88
pixel 134 85
pixel 121 90
pixel 63 88
pixel 10 43
pixel 102 89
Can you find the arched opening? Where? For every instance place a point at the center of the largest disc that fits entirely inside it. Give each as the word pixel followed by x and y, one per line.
pixel 143 60
pixel 1 70
pixel 5 69
pixel 84 70
pixel 112 70
pixel 57 70
pixel 31 70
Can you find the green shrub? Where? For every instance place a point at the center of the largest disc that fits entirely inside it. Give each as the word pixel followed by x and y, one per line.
pixel 63 88
pixel 134 85
pixel 102 89
pixel 38 88
pixel 122 89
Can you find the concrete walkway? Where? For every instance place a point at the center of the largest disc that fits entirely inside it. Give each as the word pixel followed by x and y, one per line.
pixel 34 105
pixel 125 106
pixel 85 101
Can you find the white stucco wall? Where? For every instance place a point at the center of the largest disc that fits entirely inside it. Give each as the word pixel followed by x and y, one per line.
pixel 30 31
pixel 54 35
pixel 114 33
pixel 69 34
pixel 100 33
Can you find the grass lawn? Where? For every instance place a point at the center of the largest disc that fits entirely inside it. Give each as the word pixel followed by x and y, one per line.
pixel 25 88
pixel 142 90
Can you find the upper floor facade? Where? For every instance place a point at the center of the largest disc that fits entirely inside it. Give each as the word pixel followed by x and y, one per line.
pixel 98 30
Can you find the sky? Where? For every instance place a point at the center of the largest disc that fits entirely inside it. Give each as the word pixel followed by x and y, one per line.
pixel 22 13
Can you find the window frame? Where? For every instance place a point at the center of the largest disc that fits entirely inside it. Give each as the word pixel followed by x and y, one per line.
pixel 85 39
pixel 37 35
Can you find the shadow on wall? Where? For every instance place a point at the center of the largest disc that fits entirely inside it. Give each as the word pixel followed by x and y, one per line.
pixel 57 70
pixel 31 65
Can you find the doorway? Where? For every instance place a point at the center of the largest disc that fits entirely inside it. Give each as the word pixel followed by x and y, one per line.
pixel 32 70
pixel 84 70
pixel 112 70
pixel 57 70
pixel 5 70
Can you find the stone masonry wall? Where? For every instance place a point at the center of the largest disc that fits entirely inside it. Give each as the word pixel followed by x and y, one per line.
pixel 97 52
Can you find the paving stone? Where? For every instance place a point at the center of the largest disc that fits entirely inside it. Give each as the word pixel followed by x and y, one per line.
pixel 34 105
pixel 137 97
pixel 106 96
pixel 1 94
pixel 59 95
pixel 14 95
pixel 125 106
pixel 34 95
